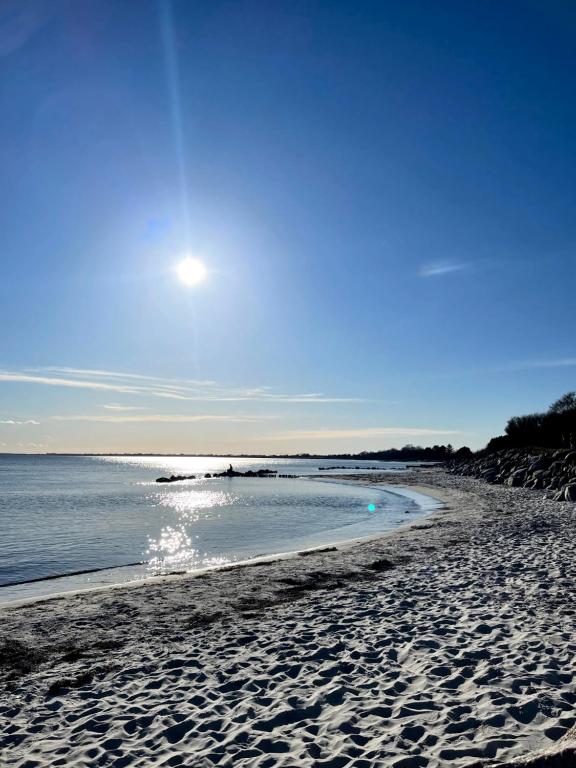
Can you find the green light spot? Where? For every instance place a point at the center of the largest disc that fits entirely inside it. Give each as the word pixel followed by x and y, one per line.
pixel 371 507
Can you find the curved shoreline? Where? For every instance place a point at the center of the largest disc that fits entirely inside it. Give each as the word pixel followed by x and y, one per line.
pixel 446 641
pixel 412 493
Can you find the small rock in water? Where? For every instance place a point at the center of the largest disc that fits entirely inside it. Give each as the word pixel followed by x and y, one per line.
pixel 175 478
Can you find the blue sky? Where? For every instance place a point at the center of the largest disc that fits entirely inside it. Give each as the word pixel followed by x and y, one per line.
pixel 382 192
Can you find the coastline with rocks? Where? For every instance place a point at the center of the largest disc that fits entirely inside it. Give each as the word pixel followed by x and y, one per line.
pixel 553 471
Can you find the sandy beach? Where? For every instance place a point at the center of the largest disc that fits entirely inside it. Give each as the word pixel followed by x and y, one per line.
pixel 448 642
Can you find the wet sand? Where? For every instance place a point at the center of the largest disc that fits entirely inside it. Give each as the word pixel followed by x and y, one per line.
pixel 447 642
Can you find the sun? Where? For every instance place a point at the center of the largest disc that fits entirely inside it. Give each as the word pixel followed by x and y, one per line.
pixel 191 271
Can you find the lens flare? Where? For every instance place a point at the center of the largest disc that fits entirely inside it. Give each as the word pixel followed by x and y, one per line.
pixel 191 271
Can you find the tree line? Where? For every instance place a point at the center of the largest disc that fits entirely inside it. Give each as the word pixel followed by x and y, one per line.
pixel 555 428
pixel 406 453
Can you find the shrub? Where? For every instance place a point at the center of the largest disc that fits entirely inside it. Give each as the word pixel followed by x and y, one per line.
pixel 556 428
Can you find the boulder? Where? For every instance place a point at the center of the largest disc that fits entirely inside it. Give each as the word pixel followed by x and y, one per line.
pixel 543 462
pixel 570 493
pixel 534 468
pixel 516 478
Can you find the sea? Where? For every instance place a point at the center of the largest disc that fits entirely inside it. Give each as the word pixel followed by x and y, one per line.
pixel 77 522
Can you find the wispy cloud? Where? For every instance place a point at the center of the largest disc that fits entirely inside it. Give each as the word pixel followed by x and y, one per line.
pixel 526 365
pixel 29 378
pixel 18 422
pixel 190 390
pixel 95 372
pixel 118 407
pixel 166 418
pixel 443 268
pixel 330 434
pixel 514 366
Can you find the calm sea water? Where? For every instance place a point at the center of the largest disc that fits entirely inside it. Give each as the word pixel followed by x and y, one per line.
pixel 107 515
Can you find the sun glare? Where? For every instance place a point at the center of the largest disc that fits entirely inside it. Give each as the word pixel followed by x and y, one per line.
pixel 191 271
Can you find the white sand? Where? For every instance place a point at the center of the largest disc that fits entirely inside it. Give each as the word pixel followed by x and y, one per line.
pixel 461 653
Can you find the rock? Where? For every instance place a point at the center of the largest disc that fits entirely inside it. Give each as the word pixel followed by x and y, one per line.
pixel 249 473
pixel 175 478
pixel 543 462
pixel 538 469
pixel 516 478
pixel 570 493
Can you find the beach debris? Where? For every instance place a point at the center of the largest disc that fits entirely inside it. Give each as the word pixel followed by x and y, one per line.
pixel 383 564
pixel 17 657
pixel 308 552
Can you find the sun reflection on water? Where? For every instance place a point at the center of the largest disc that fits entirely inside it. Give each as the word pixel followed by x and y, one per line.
pixel 174 547
pixel 190 503
pixel 172 542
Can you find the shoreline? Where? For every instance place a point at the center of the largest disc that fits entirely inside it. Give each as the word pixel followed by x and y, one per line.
pixel 448 641
pixel 413 493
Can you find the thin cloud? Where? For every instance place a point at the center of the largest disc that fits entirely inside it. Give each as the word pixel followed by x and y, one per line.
pixel 518 366
pixel 163 418
pixel 118 407
pixel 172 389
pixel 526 365
pixel 443 268
pixel 27 378
pixel 19 423
pixel 119 375
pixel 330 434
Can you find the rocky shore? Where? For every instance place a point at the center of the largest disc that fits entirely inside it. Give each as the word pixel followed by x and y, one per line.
pixel 535 468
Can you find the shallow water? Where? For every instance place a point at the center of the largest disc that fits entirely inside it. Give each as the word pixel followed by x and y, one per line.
pixel 63 514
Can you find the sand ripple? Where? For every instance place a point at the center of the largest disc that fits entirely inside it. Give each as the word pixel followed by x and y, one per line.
pixel 460 652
